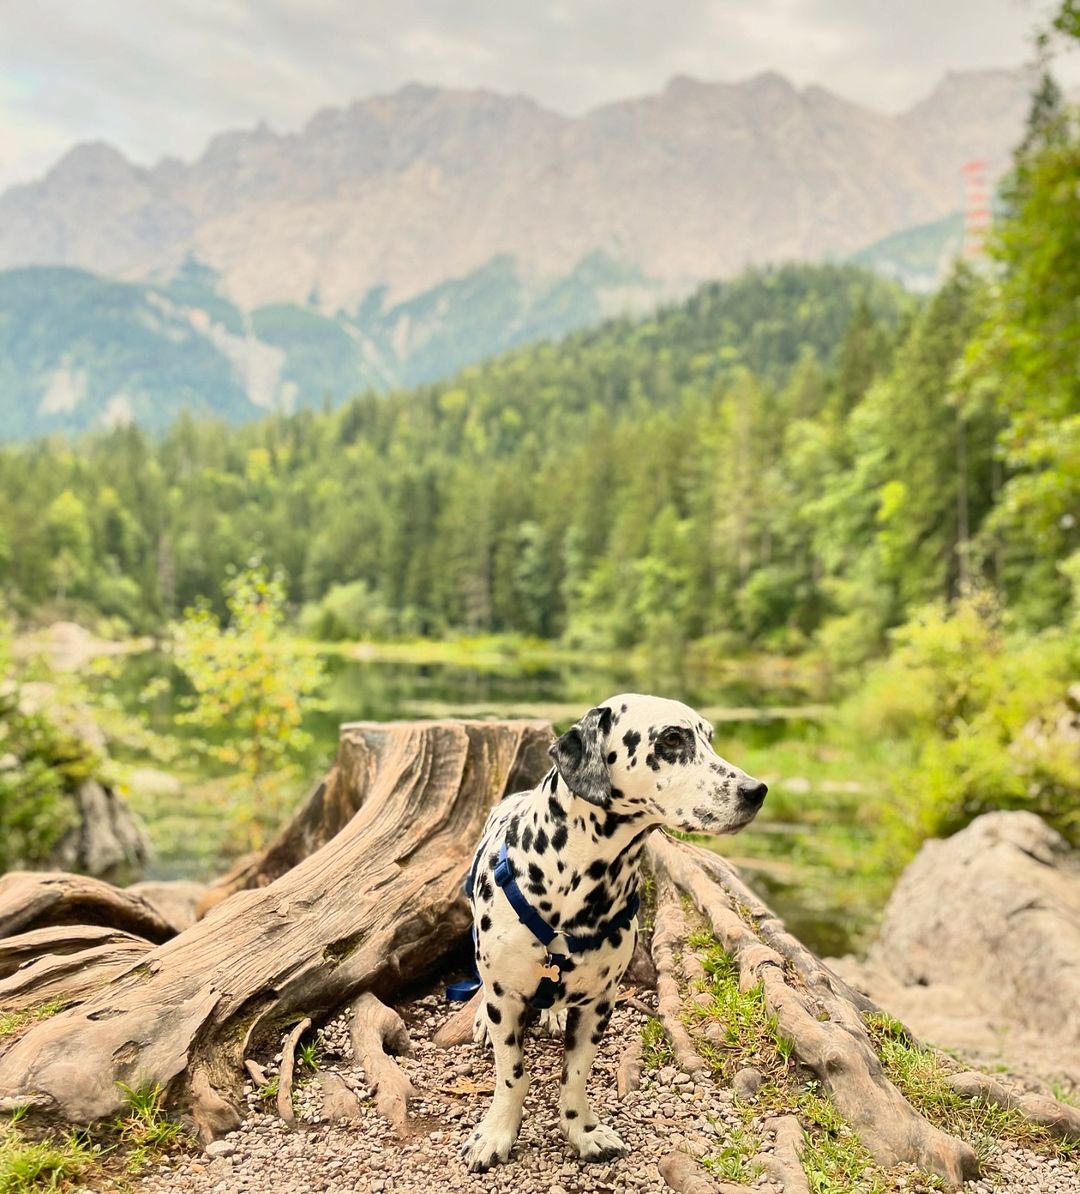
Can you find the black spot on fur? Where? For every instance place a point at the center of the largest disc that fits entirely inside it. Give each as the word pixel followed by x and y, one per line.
pixel 484 888
pixel 612 756
pixel 526 838
pixel 485 923
pixel 558 838
pixel 604 720
pixel 631 739
pixel 556 810
pixel 597 868
pixel 519 1070
pixel 497 988
pixel 511 1039
pixel 541 843
pixel 650 759
pixel 512 832
pixel 571 1114
pixel 494 1015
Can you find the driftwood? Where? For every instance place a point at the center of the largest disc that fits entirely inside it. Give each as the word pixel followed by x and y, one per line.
pixel 815 1010
pixel 628 1075
pixel 285 1074
pixel 338 1101
pixel 70 977
pixel 377 905
pixel 378 1035
pixel 35 900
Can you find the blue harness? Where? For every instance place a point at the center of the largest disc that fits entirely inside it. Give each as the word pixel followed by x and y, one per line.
pixel 560 964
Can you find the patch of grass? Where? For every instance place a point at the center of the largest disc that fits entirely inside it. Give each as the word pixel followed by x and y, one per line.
pixel 655 1048
pixel 13 1022
pixel 29 1166
pixel 750 1035
pixel 310 1054
pixel 922 1076
pixel 733 1162
pixel 145 1131
pixel 270 1090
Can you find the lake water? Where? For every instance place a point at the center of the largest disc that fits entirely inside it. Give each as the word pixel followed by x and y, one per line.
pixel 385 690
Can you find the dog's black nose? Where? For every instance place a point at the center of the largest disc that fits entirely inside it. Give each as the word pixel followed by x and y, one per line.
pixel 753 791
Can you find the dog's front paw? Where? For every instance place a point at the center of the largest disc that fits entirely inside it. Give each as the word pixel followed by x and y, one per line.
pixel 488 1145
pixel 552 1022
pixel 594 1142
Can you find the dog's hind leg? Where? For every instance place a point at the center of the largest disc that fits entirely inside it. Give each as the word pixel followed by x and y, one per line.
pixel 491 1141
pixel 585 1027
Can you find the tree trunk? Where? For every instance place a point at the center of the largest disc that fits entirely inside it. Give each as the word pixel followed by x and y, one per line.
pixel 379 904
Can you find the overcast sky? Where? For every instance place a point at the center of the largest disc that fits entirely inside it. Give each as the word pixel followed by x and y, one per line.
pixel 158 77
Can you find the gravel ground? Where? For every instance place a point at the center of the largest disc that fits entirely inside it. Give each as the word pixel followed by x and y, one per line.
pixel 670 1111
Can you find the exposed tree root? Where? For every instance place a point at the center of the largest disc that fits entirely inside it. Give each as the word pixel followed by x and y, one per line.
pixel 684 1175
pixel 459 1028
pixel 628 1076
pixel 339 1102
pixel 71 977
pixel 814 1009
pixel 378 1032
pixel 285 1074
pixel 19 951
pixel 784 1163
pixel 669 932
pixel 36 900
pixel 1056 1117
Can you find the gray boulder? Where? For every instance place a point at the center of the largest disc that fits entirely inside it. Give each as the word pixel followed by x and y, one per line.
pixel 979 948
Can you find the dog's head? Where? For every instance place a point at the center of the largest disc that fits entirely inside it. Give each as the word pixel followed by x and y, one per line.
pixel 646 754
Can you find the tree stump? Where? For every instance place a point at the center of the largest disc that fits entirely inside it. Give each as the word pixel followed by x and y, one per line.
pixel 361 892
pixel 378 904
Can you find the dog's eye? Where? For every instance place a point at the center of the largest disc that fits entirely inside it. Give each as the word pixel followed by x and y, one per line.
pixel 672 739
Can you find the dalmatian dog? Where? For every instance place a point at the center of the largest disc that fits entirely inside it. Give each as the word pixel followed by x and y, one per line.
pixel 554 893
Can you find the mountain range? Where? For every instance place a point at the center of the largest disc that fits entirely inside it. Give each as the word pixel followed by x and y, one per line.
pixel 395 240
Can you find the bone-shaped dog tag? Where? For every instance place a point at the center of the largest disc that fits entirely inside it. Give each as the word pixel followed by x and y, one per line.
pixel 551 971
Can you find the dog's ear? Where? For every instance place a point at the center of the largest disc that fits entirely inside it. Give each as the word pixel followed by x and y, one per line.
pixel 580 757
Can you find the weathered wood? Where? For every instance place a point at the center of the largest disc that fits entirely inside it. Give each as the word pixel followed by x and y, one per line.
pixel 377 905
pixel 378 1035
pixel 38 899
pixel 813 1009
pixel 330 806
pixel 71 977
pixel 684 1175
pixel 62 939
pixel 628 1075
pixel 784 1163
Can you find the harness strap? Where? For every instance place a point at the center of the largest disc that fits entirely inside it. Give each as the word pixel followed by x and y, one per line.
pixel 539 927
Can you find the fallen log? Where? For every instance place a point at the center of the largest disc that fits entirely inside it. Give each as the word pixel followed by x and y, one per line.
pixel 377 905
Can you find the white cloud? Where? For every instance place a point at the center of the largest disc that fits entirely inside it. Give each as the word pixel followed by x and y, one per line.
pixel 162 78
